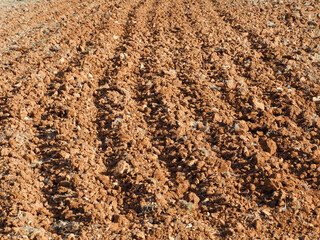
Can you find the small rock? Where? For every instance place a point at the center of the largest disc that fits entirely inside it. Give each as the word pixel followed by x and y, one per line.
pixel 219 49
pixel 105 180
pixel 293 111
pixel 229 231
pixel 271 24
pixel 183 187
pixel 316 99
pixel 4 152
pixel 192 197
pixel 252 187
pixel 257 225
pixel 239 227
pixel 140 235
pixel 119 219
pixel 64 155
pixel 260 158
pixel 161 201
pixel 256 104
pixel 270 185
pixel 159 175
pixel 225 166
pixel 35 140
pixel 266 212
pixel 29 157
pixel 171 72
pixel 230 84
pixel 71 236
pixel 269 146
pixel 241 127
pixel 200 164
pixel 121 168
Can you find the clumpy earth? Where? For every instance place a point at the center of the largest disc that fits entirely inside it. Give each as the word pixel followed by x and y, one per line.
pixel 149 119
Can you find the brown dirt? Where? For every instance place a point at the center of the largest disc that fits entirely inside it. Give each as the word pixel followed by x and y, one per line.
pixel 148 119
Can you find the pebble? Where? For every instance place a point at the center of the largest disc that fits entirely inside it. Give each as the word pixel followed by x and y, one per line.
pixel 316 99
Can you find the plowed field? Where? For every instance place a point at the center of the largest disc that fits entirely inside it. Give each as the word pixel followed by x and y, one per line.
pixel 160 119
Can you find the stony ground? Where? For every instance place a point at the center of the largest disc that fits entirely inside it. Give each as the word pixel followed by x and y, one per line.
pixel 149 119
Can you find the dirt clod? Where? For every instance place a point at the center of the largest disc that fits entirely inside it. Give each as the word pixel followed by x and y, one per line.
pixel 269 146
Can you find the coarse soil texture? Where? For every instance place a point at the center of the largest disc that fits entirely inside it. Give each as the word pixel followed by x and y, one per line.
pixel 160 119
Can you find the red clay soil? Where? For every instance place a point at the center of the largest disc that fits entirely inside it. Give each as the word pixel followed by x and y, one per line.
pixel 149 119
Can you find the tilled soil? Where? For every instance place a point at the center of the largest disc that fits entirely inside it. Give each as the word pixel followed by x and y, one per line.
pixel 149 119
